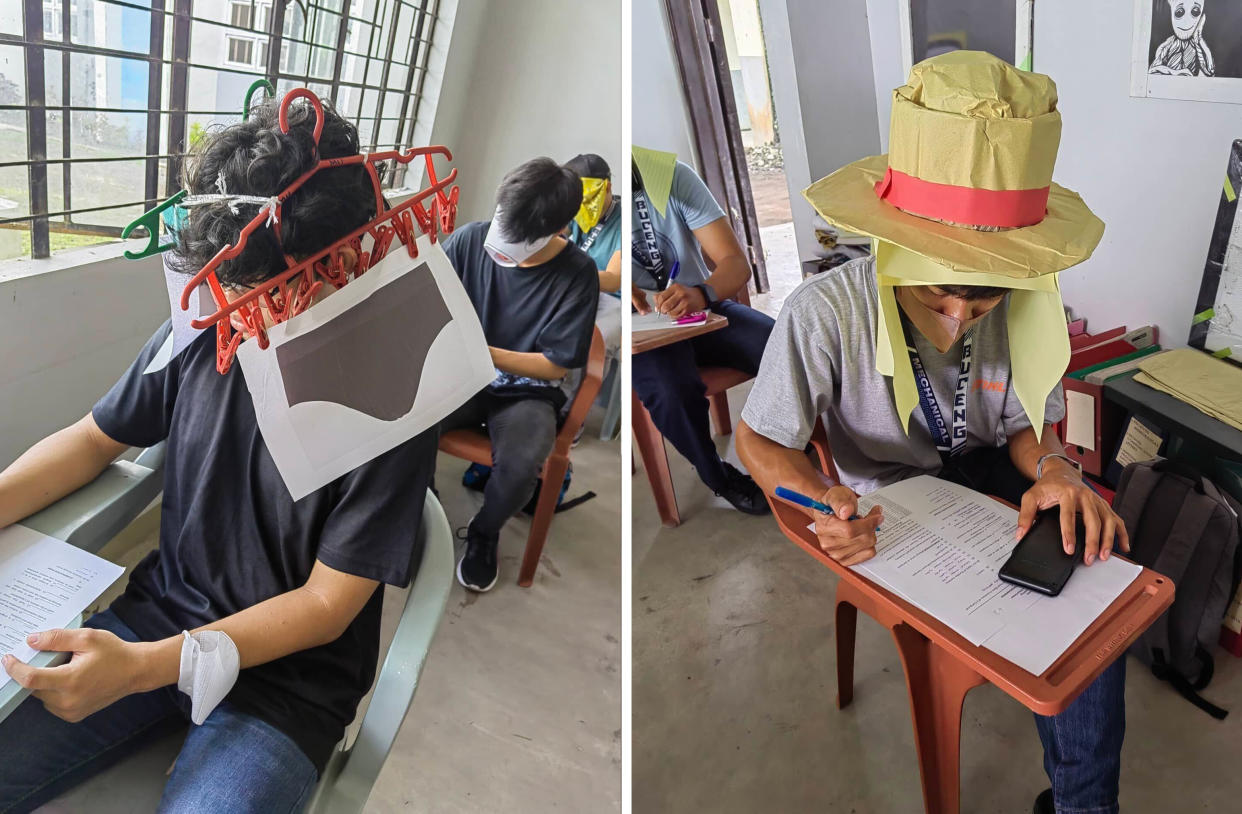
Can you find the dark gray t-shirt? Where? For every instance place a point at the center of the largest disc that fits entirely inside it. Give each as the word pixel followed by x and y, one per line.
pixel 231 536
pixel 820 360
pixel 548 309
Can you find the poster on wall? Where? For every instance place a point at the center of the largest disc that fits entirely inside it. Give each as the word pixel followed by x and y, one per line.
pixel 1217 323
pixel 1187 49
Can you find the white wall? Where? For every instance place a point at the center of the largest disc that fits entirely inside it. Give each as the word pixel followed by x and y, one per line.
pixel 1150 168
pixel 544 80
pixel 67 334
pixel 661 121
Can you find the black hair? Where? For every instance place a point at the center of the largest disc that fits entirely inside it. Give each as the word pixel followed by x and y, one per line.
pixel 255 158
pixel 539 198
pixel 590 165
pixel 973 292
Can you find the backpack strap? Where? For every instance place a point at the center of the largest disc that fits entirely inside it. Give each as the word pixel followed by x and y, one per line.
pixel 1161 670
pixel 1137 483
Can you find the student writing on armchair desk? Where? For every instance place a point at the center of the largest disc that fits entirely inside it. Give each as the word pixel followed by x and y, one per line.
pixel 926 359
pixel 295 586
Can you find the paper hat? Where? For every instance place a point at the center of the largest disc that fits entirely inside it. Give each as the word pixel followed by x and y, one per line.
pixel 965 196
pixel 972 143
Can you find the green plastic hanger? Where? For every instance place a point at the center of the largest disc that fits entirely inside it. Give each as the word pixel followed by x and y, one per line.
pixel 150 220
pixel 268 90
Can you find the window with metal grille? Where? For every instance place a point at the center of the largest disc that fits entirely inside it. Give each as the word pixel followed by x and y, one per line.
pixel 93 124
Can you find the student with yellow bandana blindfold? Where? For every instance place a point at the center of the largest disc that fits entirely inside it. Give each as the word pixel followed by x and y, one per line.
pixel 596 229
pixel 942 352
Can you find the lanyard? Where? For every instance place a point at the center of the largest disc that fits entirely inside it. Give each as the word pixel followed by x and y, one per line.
pixel 593 235
pixel 655 262
pixel 946 444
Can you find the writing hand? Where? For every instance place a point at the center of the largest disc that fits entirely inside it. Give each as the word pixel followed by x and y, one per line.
pixel 677 300
pixel 849 542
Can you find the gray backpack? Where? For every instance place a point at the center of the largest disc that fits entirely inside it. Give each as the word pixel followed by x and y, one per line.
pixel 1182 526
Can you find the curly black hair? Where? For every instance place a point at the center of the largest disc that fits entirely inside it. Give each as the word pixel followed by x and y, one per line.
pixel 255 158
pixel 539 198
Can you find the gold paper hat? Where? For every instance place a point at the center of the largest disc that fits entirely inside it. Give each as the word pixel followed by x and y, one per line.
pixel 972 146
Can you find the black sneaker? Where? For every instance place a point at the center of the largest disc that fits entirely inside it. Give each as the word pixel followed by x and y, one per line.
pixel 742 491
pixel 477 569
pixel 1044 804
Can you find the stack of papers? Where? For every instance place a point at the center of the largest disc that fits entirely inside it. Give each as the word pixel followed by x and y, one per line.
pixel 1212 386
pixel 940 548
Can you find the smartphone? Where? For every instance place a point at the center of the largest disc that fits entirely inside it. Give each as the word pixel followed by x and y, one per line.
pixel 1039 561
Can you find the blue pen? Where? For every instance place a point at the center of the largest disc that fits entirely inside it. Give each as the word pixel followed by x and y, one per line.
pixel 808 502
pixel 676 268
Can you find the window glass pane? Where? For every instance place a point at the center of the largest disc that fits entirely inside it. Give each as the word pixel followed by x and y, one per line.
pixel 11 19
pixel 240 15
pixel 940 26
pixel 110 25
pixel 104 184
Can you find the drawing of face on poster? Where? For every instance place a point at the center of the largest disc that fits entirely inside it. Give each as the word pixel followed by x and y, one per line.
pixel 1185 53
pixel 1187 49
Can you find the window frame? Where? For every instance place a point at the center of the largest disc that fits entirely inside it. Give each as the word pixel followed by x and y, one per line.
pixel 168 108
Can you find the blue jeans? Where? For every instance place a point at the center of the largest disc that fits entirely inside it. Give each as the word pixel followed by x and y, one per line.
pixel 666 380
pixel 234 762
pixel 1082 746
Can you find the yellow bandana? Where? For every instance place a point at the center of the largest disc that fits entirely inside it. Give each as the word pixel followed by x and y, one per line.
pixel 1039 349
pixel 594 202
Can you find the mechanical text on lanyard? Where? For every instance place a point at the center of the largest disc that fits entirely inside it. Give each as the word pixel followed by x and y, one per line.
pixel 649 238
pixel 946 444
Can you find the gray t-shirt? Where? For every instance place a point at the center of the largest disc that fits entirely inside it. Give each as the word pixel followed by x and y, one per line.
pixel 690 206
pixel 820 360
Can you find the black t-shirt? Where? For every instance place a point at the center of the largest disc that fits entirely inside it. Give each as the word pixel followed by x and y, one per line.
pixel 231 536
pixel 548 309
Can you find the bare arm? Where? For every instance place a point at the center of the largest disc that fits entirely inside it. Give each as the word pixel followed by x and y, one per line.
pixel 54 467
pixel 772 464
pixel 532 365
pixel 731 274
pixel 610 278
pixel 104 668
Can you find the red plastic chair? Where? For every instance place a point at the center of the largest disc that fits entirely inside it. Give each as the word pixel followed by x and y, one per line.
pixel 474 446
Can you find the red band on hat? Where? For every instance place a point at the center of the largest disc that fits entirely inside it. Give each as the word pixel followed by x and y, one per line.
pixel 1011 208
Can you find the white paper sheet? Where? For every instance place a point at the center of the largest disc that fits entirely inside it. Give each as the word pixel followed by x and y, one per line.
pixel 1079 419
pixel 316 442
pixel 940 548
pixel 44 584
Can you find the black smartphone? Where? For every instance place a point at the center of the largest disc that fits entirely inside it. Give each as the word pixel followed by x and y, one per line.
pixel 1039 561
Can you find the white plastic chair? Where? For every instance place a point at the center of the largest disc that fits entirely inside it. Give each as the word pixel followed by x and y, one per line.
pixel 94 514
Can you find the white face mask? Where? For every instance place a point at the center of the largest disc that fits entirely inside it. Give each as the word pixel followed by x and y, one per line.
pixel 942 330
pixel 506 252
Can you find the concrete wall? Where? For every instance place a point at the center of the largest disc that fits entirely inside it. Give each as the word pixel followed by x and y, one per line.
pixel 825 98
pixel 661 121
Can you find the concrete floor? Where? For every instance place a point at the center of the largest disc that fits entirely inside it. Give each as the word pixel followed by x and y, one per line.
pixel 519 706
pixel 734 688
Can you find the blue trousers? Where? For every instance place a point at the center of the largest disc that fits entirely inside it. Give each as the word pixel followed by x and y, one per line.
pixel 1082 746
pixel 667 382
pixel 234 762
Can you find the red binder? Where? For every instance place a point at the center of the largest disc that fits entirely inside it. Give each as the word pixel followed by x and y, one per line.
pixel 1091 425
pixel 1095 354
pixel 1085 340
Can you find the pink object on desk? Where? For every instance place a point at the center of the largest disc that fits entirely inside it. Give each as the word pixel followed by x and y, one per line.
pixel 697 318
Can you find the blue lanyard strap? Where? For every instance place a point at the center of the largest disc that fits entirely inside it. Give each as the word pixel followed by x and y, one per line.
pixel 947 443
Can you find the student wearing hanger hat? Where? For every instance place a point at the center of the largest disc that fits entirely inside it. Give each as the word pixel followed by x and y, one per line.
pixel 942 353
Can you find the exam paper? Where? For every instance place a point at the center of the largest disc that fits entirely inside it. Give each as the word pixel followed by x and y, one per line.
pixel 940 548
pixel 44 584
